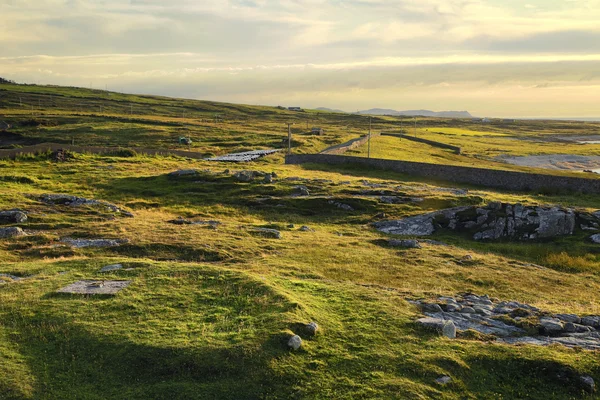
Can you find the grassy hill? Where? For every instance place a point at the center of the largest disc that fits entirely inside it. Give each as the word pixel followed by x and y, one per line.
pixel 210 307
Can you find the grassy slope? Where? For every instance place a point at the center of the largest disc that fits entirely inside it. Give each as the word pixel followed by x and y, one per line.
pixel 208 312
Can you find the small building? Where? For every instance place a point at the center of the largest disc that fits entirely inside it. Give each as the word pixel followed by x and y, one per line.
pixel 295 108
pixel 317 131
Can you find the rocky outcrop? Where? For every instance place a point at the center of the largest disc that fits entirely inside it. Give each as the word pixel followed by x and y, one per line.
pixel 510 322
pixel 74 201
pixel 496 221
pixel 11 232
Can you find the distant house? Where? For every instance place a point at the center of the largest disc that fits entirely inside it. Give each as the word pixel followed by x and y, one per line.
pixel 317 131
pixel 295 108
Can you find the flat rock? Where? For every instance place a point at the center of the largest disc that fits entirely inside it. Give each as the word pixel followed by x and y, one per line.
pixel 112 267
pixel 443 380
pixel 95 287
pixel 81 243
pixel 183 172
pixel 245 156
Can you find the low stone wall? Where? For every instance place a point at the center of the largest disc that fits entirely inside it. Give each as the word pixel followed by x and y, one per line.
pixel 352 144
pixel 509 180
pixel 41 148
pixel 433 143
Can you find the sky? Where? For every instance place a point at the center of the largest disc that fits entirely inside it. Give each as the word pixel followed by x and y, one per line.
pixel 496 58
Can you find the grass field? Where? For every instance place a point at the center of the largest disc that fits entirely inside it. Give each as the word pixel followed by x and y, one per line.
pixel 209 311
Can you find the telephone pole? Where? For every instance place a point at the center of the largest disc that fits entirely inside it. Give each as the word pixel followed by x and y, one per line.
pixel 369 141
pixel 289 124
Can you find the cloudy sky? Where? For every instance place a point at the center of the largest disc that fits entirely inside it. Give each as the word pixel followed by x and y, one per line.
pixel 521 58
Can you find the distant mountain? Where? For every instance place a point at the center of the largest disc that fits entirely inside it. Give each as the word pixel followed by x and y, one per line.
pixel 330 109
pixel 418 113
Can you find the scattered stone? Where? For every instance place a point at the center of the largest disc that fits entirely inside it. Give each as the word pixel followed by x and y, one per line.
pixel 305 228
pixel 295 342
pixel 588 383
pixel 95 287
pixel 74 201
pixel 467 257
pixel 244 176
pixel 408 243
pixel 488 316
pixel 113 267
pixel 301 190
pixel 9 276
pixel 180 221
pixel 433 242
pixel 15 216
pixel 595 238
pixel 183 172
pixel 10 232
pixel 268 233
pixel 343 206
pixel 291 226
pixel 312 328
pixel 400 200
pixel 268 179
pixel 81 243
pixel 274 174
pixel 443 380
pixel 449 329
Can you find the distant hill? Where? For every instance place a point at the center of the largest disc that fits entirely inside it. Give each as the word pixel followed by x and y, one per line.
pixel 330 109
pixel 421 113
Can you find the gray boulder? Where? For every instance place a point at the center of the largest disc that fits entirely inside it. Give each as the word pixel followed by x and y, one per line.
pixel 244 176
pixel 301 190
pixel 551 326
pixel 407 244
pixel 15 216
pixel 588 383
pixel 82 243
pixel 305 228
pixel 10 232
pixel 595 238
pixel 449 329
pixel 312 328
pixel 268 233
pixel 443 380
pixel 295 342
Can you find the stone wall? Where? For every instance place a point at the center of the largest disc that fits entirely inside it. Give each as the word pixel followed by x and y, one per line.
pixel 433 143
pixel 352 144
pixel 41 148
pixel 493 178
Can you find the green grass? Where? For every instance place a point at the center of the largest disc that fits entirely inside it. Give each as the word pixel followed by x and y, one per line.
pixel 208 312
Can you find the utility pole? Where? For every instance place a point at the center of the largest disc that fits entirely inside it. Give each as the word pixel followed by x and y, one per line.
pixel 289 124
pixel 415 126
pixel 369 141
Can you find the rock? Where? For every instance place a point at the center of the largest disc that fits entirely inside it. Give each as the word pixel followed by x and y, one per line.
pixel 291 226
pixel 11 232
pixel 571 327
pixel 468 310
pixel 244 176
pixel 183 172
pixel 268 233
pixel 74 201
pixel 305 228
pixel 588 383
pixel 431 323
pixel 95 287
pixel 113 267
pixel 81 243
pixel 15 216
pixel 180 221
pixel 430 308
pixel 342 206
pixel 433 242
pixel 551 326
pixel 595 238
pixel 591 320
pixel 295 342
pixel 468 257
pixel 449 330
pixel 9 276
pixel 495 221
pixel 400 200
pixel 302 190
pixel 274 174
pixel 312 328
pixel 443 380
pixel 568 318
pixel 268 179
pixel 408 244
pixel 453 308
